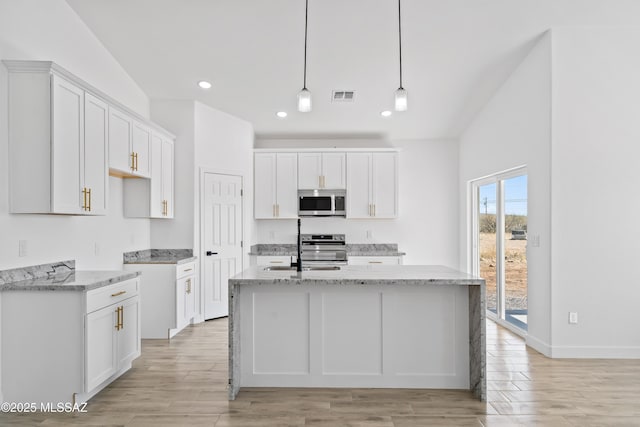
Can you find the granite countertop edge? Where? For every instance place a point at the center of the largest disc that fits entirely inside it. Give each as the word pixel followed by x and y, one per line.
pixel 162 260
pixel 316 281
pixel 71 281
pixel 293 253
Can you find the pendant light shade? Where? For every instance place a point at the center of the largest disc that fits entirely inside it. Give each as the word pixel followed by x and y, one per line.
pixel 401 99
pixel 401 93
pixel 304 100
pixel 304 96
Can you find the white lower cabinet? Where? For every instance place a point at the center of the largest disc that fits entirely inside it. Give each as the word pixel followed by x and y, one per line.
pixel 169 298
pixel 373 260
pixel 65 345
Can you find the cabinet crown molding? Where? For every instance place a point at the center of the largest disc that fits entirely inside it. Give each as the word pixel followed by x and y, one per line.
pixel 27 66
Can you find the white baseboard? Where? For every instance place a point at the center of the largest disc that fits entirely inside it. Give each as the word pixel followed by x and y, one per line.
pixel 538 345
pixel 595 352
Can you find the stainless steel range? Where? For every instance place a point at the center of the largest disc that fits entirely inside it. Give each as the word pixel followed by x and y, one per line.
pixel 324 249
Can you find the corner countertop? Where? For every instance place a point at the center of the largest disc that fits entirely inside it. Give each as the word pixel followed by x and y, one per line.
pixel 159 256
pixel 70 281
pixel 360 275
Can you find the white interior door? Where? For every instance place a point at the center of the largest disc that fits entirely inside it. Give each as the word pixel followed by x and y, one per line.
pixel 222 240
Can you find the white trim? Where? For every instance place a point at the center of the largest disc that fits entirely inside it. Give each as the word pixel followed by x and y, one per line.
pixel 595 352
pixel 538 345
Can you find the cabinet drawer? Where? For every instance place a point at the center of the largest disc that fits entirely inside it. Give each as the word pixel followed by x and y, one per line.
pixel 185 269
pixel 273 260
pixel 102 297
pixel 374 260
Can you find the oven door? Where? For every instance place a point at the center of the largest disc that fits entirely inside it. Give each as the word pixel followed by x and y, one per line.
pixel 324 254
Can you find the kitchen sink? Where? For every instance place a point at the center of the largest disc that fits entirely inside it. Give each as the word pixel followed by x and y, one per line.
pixel 304 268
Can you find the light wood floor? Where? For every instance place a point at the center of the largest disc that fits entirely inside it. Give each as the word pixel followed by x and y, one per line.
pixel 183 382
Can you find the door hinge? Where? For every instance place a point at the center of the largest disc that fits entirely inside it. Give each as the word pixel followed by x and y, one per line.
pixel 241 244
pixel 241 192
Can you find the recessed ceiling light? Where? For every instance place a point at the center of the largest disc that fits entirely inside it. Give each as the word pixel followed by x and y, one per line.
pixel 281 114
pixel 385 113
pixel 204 84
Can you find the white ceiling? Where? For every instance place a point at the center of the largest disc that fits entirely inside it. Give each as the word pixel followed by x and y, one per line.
pixel 456 53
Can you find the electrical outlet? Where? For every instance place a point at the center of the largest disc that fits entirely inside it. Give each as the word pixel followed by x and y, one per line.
pixel 272 235
pixel 369 234
pixel 22 248
pixel 573 317
pixel 96 248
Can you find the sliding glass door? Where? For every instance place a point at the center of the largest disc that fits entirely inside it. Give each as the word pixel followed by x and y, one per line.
pixel 500 233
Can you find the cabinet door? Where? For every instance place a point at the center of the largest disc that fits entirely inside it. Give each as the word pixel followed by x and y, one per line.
pixel 120 126
pixel 181 302
pixel 96 170
pixel 190 299
pixel 359 185
pixel 141 147
pixel 385 188
pixel 334 171
pixel 286 185
pixel 101 344
pixel 373 260
pixel 67 146
pixel 309 171
pixel 264 185
pixel 167 177
pixel 128 337
pixel 156 198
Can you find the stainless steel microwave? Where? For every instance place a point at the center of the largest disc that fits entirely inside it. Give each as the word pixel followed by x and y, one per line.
pixel 321 203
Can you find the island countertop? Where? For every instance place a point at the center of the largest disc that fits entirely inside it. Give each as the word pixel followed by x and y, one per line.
pixel 359 275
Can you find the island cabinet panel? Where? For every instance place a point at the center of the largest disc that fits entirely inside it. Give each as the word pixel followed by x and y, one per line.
pixel 354 336
pixel 289 328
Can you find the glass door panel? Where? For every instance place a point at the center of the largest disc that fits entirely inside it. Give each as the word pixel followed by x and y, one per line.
pixel 487 226
pixel 515 250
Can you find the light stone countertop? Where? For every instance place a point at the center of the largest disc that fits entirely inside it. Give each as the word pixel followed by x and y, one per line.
pixel 353 249
pixel 70 281
pixel 159 256
pixel 359 275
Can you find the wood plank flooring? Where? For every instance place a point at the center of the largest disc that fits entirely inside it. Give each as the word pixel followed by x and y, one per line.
pixel 183 382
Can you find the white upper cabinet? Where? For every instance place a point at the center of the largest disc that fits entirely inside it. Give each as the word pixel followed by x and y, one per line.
pixel 276 192
pixel 120 129
pixel 321 171
pixel 140 149
pixel 57 144
pixel 129 145
pixel 372 190
pixel 153 198
pixel 96 170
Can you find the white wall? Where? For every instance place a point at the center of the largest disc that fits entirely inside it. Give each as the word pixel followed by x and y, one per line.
pixel 514 129
pixel 595 174
pixel 50 30
pixel 427 224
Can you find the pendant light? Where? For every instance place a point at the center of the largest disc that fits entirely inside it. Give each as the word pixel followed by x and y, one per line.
pixel 401 93
pixel 304 96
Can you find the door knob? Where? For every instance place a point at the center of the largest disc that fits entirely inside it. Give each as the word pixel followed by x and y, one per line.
pixel 209 253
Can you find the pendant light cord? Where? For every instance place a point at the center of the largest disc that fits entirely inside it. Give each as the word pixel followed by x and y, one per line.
pixel 306 18
pixel 399 41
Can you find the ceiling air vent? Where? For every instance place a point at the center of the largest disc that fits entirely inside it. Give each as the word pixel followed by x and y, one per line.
pixel 342 96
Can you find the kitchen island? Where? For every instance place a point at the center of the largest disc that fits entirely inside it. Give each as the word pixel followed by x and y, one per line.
pixel 380 326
